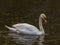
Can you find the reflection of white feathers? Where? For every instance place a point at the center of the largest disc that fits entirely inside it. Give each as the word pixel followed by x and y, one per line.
pixel 27 28
pixel 27 39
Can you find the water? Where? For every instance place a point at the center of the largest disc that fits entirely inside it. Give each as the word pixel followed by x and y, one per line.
pixel 22 39
pixel 28 11
pixel 27 39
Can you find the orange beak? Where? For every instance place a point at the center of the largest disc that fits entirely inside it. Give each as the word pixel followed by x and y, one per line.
pixel 45 20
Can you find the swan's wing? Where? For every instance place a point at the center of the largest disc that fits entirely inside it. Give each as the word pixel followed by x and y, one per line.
pixel 25 27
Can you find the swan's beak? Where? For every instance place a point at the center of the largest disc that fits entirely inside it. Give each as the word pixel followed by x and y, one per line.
pixel 45 20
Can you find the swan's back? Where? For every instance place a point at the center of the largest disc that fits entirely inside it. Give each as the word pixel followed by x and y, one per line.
pixel 25 26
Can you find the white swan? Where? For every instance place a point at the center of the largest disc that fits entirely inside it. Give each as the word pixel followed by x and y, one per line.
pixel 26 28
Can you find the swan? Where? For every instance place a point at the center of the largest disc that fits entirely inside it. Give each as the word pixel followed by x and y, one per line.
pixel 26 28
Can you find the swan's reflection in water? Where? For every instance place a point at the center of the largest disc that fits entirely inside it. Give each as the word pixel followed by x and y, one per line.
pixel 27 39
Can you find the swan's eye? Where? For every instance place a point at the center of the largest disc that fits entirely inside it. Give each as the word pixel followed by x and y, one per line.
pixel 45 20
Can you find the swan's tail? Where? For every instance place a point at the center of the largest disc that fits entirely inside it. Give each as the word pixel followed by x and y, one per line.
pixel 10 28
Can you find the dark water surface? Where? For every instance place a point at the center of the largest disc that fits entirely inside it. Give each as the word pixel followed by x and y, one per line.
pixel 28 11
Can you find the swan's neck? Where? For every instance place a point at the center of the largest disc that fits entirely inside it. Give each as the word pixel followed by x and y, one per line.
pixel 40 25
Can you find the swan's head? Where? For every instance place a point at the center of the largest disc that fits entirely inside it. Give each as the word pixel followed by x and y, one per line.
pixel 43 16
